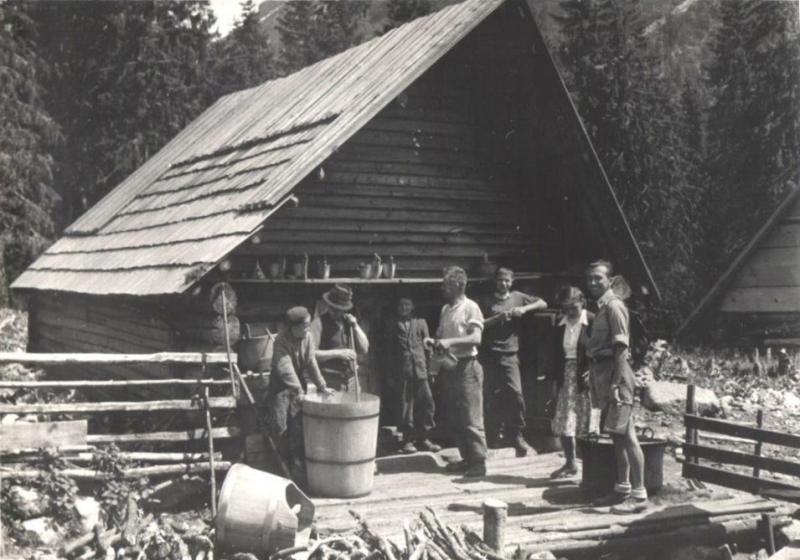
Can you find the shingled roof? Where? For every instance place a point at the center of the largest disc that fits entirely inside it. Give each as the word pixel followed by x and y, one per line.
pixel 218 180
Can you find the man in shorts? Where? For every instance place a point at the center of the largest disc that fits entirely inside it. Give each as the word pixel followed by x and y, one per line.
pixel 612 383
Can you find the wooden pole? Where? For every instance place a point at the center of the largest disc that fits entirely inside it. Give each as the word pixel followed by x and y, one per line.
pixel 355 363
pixel 691 434
pixel 107 383
pixel 495 514
pixel 757 451
pixel 43 359
pixel 135 472
pixel 212 472
pixel 766 519
pixel 234 385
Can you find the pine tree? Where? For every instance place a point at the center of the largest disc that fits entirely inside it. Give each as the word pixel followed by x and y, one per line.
pixel 313 30
pixel 399 12
pixel 27 138
pixel 129 77
pixel 754 123
pixel 244 58
pixel 630 111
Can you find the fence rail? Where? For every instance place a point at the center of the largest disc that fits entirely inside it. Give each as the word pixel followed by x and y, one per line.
pixel 164 358
pixel 754 482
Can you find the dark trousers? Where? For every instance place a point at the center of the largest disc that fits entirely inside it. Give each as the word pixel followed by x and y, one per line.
pixel 464 395
pixel 285 424
pixel 416 408
pixel 504 401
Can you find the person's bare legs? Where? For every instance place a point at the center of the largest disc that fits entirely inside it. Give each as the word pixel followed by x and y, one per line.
pixel 634 463
pixel 635 457
pixel 623 466
pixel 568 444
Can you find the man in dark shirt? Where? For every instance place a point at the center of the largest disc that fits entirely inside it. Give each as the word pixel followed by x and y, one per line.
pixel 407 374
pixel 293 362
pixel 504 400
pixel 339 339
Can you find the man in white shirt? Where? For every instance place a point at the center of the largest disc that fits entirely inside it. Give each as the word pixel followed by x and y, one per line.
pixel 457 341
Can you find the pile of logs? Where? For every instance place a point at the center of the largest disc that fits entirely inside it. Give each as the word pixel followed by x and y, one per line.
pixel 207 316
pixel 162 538
pixel 427 538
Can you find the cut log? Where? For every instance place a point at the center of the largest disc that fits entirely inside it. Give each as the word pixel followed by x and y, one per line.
pixel 210 299
pixel 209 328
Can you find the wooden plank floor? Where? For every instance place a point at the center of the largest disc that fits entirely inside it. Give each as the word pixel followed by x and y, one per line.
pixel 407 484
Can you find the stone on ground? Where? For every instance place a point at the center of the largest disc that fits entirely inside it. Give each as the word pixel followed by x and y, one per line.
pixel 27 502
pixel 667 396
pixel 88 512
pixel 41 531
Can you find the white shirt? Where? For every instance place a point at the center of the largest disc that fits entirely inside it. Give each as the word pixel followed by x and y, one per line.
pixel 458 320
pixel 572 332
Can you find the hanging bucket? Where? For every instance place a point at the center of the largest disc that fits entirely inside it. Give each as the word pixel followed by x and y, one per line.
pixel 261 513
pixel 255 352
pixel 340 435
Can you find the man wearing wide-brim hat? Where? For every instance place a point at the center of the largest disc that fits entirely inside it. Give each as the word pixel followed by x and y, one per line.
pixel 337 333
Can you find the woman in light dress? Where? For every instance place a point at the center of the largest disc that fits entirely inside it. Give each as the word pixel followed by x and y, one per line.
pixel 573 408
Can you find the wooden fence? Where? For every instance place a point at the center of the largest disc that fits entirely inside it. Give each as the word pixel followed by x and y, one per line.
pixel 19 440
pixel 750 478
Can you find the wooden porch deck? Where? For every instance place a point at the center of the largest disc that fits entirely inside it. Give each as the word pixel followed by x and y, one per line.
pixel 405 485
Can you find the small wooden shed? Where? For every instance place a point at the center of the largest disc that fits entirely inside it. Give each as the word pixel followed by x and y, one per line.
pixel 757 300
pixel 443 141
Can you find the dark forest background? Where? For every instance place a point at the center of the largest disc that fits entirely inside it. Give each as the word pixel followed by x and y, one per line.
pixel 693 106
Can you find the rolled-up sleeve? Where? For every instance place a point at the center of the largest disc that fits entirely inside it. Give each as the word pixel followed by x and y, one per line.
pixel 474 316
pixel 311 365
pixel 618 323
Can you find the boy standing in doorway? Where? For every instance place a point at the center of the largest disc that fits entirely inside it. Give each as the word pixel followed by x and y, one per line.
pixel 407 367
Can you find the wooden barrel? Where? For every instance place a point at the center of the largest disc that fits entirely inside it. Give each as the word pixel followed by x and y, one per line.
pixel 255 512
pixel 599 472
pixel 341 435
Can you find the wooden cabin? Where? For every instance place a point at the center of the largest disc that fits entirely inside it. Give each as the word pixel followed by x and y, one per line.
pixel 444 141
pixel 756 302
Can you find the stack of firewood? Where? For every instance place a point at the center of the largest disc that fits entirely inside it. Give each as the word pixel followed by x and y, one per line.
pixel 426 538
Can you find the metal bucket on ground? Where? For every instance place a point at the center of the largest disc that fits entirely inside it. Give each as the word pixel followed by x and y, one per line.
pixel 255 352
pixel 340 432
pixel 599 472
pixel 261 513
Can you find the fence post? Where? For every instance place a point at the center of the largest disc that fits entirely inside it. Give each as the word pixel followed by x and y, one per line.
pixel 691 434
pixel 759 424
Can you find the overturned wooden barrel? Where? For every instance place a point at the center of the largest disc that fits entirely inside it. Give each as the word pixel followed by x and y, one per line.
pixel 341 435
pixel 261 513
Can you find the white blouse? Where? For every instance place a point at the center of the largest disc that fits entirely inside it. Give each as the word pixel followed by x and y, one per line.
pixel 572 332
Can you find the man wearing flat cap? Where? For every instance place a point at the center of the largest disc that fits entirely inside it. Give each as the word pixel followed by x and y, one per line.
pixel 339 338
pixel 293 362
